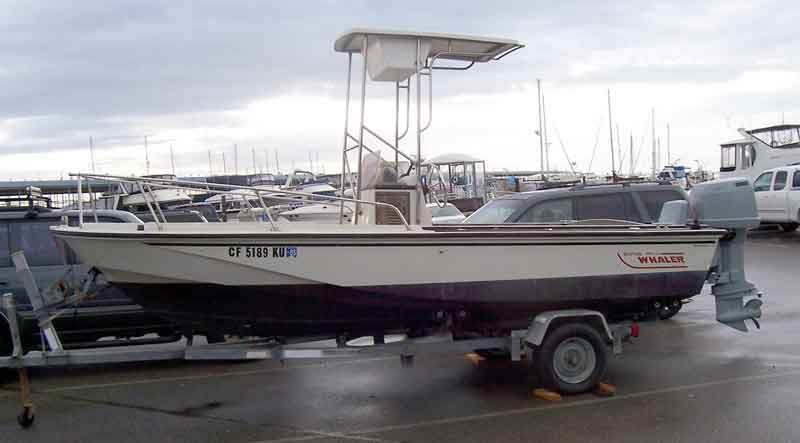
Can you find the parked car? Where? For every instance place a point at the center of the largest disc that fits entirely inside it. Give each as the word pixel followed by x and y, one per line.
pixel 445 215
pixel 636 202
pixel 778 197
pixel 606 203
pixel 109 313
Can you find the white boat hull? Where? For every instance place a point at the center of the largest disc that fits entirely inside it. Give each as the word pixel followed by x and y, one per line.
pixel 322 278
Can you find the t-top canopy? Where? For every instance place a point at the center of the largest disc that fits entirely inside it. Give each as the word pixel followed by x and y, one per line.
pixel 451 158
pixel 480 49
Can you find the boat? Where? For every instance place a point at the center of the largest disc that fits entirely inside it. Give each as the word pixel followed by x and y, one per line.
pixel 304 182
pixel 175 204
pixel 459 179
pixel 239 205
pixel 390 269
pixel 319 213
pixel 675 174
pixel 244 205
pixel 760 149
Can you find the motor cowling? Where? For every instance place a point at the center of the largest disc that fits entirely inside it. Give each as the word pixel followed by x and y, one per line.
pixel 729 204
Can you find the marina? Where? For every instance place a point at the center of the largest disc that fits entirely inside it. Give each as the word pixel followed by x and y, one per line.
pixel 669 387
pixel 425 277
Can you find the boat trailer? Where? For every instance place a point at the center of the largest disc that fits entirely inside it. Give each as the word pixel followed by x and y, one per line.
pixel 568 347
pixel 592 337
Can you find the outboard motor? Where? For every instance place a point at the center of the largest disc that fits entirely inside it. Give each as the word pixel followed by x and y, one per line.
pixel 729 204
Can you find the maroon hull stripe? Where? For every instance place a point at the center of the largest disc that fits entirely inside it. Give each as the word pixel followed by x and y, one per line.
pixel 323 309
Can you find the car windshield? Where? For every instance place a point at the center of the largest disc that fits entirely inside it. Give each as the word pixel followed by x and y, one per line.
pixel 448 211
pixel 495 212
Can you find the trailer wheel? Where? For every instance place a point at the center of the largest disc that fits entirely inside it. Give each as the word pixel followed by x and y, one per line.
pixel 26 417
pixel 788 227
pixel 571 359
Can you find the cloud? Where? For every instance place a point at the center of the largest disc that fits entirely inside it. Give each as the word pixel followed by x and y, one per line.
pixel 208 75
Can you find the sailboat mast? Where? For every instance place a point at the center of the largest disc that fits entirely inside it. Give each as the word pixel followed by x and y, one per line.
pixel 541 139
pixel 630 171
pixel 669 157
pixel 235 159
pixel 653 154
pixel 172 159
pixel 146 156
pixel 619 151
pixel 658 150
pixel 546 136
pixel 91 151
pixel 611 138
pixel 210 171
pixel 266 161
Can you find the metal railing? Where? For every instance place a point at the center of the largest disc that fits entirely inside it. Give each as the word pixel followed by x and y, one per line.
pixel 147 186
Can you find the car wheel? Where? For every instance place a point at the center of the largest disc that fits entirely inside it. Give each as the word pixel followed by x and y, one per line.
pixel 6 347
pixel 788 227
pixel 6 374
pixel 669 309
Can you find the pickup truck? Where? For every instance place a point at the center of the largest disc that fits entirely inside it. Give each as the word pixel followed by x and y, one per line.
pixel 778 197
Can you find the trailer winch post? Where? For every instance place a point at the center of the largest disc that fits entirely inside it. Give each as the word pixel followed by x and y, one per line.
pixel 25 418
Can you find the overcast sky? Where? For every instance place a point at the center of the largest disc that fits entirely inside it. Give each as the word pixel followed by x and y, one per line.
pixel 205 75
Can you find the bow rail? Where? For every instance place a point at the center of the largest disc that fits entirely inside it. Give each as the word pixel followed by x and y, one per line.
pixel 147 185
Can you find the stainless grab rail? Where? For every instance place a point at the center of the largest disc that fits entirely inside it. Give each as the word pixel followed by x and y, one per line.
pixel 222 188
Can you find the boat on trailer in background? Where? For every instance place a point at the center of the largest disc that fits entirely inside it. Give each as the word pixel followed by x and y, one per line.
pixel 390 270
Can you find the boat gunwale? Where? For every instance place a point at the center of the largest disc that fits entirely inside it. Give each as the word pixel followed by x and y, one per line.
pixel 412 235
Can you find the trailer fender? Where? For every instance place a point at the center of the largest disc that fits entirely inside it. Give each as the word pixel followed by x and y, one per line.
pixel 541 323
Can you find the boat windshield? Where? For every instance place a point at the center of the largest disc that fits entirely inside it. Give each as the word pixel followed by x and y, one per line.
pixel 495 212
pixel 784 136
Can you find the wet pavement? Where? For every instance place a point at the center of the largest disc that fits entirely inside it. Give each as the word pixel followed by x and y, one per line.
pixel 685 379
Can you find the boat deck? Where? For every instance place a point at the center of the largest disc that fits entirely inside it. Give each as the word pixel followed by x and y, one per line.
pixel 686 379
pixel 588 228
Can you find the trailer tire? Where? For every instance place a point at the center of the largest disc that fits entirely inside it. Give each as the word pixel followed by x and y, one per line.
pixel 26 417
pixel 571 358
pixel 788 227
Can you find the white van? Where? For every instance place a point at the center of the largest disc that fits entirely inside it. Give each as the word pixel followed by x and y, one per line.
pixel 778 196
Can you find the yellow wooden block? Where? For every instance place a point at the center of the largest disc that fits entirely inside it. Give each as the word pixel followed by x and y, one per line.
pixel 474 358
pixel 546 394
pixel 605 389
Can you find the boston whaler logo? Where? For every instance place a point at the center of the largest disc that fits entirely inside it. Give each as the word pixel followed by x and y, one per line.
pixel 653 260
pixel 262 251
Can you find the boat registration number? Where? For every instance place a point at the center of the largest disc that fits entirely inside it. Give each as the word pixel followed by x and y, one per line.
pixel 262 251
